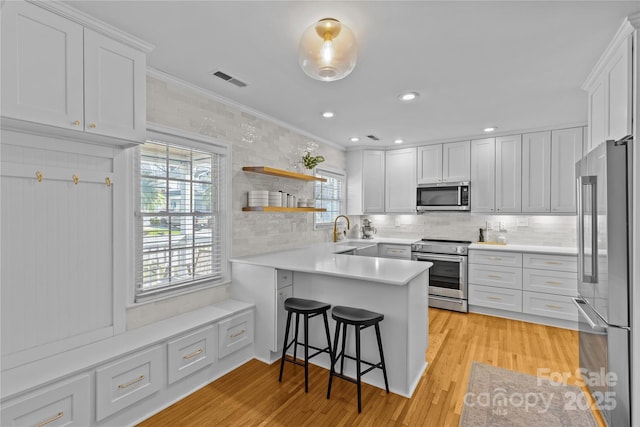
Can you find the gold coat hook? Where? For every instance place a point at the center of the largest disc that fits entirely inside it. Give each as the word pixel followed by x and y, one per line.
pixel 107 181
pixel 39 176
pixel 76 179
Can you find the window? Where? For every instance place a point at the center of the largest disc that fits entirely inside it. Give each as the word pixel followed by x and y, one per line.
pixel 181 222
pixel 329 195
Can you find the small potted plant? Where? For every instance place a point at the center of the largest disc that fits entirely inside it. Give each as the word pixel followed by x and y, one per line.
pixel 310 162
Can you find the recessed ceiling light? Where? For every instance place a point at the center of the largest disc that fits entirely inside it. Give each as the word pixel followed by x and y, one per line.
pixel 327 114
pixel 398 141
pixel 354 139
pixel 409 96
pixel 490 129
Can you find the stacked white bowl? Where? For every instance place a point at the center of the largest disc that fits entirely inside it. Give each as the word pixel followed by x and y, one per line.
pixel 275 198
pixel 258 198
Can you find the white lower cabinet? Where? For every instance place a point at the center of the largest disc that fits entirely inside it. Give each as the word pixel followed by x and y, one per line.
pixel 494 297
pixel 127 381
pixel 387 250
pixel 549 305
pixel 235 333
pixel 65 404
pixel 191 353
pixel 497 276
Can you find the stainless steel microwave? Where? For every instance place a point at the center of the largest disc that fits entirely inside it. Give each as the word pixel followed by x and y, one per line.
pixel 446 196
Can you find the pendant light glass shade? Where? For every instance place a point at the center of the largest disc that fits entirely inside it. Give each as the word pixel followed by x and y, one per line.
pixel 327 50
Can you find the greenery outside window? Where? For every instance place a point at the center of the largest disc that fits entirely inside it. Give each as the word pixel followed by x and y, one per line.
pixel 330 196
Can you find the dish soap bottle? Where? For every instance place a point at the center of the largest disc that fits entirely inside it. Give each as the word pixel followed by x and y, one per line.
pixel 481 236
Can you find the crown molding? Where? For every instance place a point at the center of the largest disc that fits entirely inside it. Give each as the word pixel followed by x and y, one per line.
pixel 63 9
pixel 630 24
pixel 161 75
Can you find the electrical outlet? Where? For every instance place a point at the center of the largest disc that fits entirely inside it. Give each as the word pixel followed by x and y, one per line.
pixel 523 221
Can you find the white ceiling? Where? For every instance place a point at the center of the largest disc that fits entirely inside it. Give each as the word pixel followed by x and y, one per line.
pixel 517 65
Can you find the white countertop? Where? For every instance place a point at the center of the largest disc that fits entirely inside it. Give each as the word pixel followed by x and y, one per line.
pixel 322 258
pixel 551 250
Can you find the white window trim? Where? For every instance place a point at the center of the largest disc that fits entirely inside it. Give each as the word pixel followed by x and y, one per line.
pixel 199 142
pixel 343 204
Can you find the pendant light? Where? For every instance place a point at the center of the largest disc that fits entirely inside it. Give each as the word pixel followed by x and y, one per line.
pixel 327 50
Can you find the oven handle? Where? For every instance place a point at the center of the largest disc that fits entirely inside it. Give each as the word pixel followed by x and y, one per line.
pixel 430 257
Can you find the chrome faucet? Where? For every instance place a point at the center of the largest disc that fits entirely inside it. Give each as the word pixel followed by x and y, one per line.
pixel 335 226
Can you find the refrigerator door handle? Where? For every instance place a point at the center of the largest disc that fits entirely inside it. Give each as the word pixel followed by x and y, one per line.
pixel 596 326
pixel 588 181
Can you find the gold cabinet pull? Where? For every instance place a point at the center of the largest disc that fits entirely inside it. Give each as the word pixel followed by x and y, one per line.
pixel 494 276
pixel 39 176
pixel 495 258
pixel 551 282
pixel 130 383
pixel 554 263
pixel 237 335
pixel 76 123
pixel 92 125
pixel 192 355
pixel 50 420
pixel 107 181
pixel 557 307
pixel 495 298
pixel 76 179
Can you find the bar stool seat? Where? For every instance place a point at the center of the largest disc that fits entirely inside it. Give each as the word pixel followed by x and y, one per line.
pixel 309 309
pixel 360 319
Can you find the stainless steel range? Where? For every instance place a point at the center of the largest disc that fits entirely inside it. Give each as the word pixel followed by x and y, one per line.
pixel 448 276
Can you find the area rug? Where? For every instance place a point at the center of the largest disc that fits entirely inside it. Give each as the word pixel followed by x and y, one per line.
pixel 499 397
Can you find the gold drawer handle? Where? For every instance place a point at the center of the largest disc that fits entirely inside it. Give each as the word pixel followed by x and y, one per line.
pixel 495 258
pixel 495 298
pixel 39 176
pixel 494 276
pixel 237 335
pixel 553 306
pixel 194 354
pixel 550 282
pixel 130 383
pixel 75 179
pixel 554 263
pixel 50 420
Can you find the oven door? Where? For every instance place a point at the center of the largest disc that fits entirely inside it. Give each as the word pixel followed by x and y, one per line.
pixel 448 276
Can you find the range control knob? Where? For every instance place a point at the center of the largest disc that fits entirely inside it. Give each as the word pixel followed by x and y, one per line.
pixel 461 250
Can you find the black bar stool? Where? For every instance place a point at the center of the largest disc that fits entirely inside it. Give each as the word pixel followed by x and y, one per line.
pixel 308 308
pixel 360 319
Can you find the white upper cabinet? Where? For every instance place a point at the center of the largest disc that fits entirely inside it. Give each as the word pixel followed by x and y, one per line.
pixel 508 174
pixel 400 181
pixel 566 150
pixel 483 175
pixel 450 162
pixel 610 90
pixel 58 73
pixel 42 75
pixel 536 172
pixel 365 182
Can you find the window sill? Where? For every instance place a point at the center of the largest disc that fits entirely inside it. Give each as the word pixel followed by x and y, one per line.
pixel 178 293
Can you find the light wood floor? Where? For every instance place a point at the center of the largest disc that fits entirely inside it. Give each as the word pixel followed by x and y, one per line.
pixel 252 395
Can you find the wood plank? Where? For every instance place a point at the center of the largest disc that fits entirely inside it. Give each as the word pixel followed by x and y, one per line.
pixel 266 170
pixel 252 395
pixel 281 209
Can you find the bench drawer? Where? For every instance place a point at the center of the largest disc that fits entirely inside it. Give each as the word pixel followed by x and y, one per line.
pixel 191 353
pixel 235 333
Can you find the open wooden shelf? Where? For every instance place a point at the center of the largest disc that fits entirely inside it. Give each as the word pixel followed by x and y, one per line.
pixel 266 170
pixel 281 209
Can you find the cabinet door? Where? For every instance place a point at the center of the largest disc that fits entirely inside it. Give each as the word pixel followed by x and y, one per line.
pixel 400 180
pixel 536 174
pixel 373 181
pixel 430 164
pixel 618 81
pixel 41 66
pixel 456 161
pixel 509 174
pixel 115 88
pixel 483 175
pixel 566 150
pixel 597 115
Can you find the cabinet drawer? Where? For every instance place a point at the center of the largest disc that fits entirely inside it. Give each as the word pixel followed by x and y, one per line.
pixel 63 404
pixel 509 259
pixel 386 250
pixel 127 381
pixel 191 353
pixel 489 296
pixel 550 262
pixel 235 333
pixel 558 306
pixel 284 278
pixel 551 282
pixel 490 275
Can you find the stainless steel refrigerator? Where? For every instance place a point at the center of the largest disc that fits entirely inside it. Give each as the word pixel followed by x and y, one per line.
pixel 604 192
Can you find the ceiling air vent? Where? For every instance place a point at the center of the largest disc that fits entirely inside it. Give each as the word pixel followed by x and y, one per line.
pixel 227 78
pixel 373 137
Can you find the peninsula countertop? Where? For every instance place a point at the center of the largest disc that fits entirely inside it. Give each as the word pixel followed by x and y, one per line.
pixel 326 259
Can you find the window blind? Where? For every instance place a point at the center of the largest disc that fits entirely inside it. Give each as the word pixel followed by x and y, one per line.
pixel 330 196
